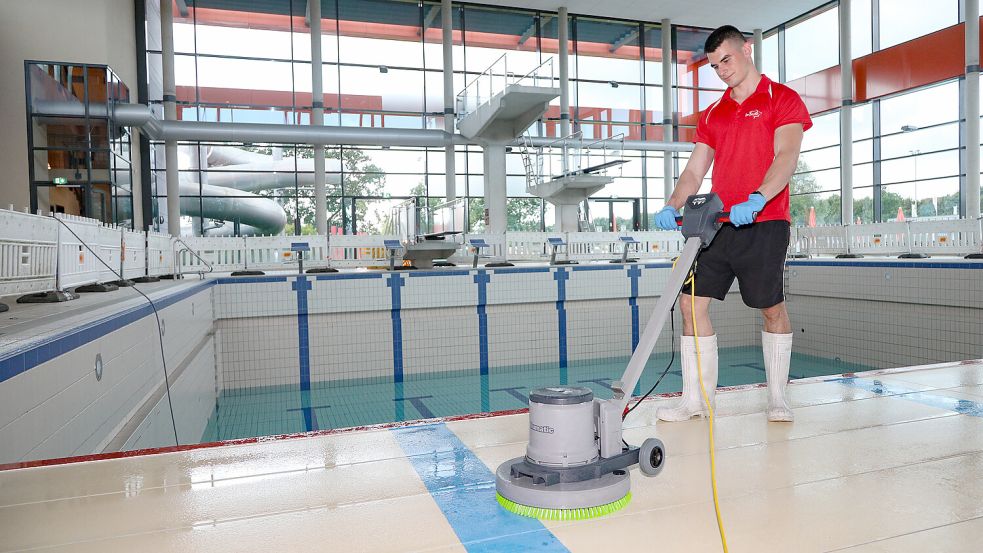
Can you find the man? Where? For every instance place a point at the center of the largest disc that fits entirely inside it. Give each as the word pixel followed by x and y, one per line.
pixel 752 136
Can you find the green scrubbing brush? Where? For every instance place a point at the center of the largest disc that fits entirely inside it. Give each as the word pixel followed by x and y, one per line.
pixel 582 513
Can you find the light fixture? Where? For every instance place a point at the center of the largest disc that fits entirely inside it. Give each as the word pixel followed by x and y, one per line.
pixel 383 69
pixel 908 128
pixel 614 84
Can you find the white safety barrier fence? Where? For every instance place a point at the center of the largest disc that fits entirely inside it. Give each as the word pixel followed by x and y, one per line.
pixel 877 239
pixel 955 237
pixel 820 241
pixel 159 254
pixel 495 250
pixel 38 254
pixel 657 244
pixel 270 253
pixel 133 256
pixel 530 246
pixel 222 253
pixel 79 265
pixel 28 253
pixel 361 251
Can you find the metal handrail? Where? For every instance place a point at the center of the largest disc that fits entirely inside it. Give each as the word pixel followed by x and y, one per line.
pixel 177 259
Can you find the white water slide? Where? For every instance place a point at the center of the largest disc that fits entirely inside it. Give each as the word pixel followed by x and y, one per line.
pixel 229 184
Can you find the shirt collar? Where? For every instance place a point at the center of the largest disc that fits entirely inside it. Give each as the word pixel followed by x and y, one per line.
pixel 763 86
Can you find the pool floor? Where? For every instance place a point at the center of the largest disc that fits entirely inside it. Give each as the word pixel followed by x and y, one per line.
pixel 252 412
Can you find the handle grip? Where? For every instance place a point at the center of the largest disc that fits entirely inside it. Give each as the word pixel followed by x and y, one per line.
pixel 723 217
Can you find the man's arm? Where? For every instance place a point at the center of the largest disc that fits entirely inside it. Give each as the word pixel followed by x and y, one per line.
pixel 788 142
pixel 692 176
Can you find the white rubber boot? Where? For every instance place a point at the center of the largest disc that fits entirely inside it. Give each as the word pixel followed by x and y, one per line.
pixel 777 349
pixel 691 404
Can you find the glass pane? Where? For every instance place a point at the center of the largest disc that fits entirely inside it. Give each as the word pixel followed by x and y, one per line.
pixel 937 198
pixel 370 89
pixel 863 205
pixel 769 56
pixel 825 131
pixel 861 32
pixel 804 54
pixel 608 50
pixel 903 20
pixel 928 106
pixel 653 55
pixel 920 167
pixel 398 21
pixel 923 140
pixel 822 207
pixel 524 214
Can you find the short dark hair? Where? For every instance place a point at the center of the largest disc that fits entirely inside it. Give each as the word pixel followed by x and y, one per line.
pixel 719 35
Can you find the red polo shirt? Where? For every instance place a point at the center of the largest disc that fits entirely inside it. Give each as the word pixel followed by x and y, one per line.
pixel 743 140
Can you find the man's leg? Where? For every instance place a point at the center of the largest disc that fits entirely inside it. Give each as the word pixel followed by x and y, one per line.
pixel 692 403
pixel 776 344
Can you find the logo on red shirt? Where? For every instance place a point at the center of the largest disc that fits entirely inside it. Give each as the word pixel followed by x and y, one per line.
pixel 753 113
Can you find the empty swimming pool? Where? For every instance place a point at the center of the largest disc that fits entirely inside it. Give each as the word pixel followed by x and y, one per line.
pixel 285 409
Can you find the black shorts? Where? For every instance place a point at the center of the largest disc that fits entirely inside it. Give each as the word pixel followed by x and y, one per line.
pixel 753 254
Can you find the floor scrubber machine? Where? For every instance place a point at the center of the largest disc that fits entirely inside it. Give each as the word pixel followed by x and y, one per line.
pixel 576 465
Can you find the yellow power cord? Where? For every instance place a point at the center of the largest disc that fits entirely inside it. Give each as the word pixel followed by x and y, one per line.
pixel 699 371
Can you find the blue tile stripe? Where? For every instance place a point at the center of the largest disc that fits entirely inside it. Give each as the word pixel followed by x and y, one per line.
pixel 301 286
pixel 34 353
pixel 249 279
pixel 561 276
pixel 458 272
pixel 882 264
pixel 395 282
pixel 634 273
pixel 345 276
pixel 961 406
pixel 482 279
pixel 595 267
pixel 464 490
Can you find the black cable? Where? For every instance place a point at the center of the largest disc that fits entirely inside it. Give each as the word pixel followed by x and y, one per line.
pixel 160 334
pixel 672 358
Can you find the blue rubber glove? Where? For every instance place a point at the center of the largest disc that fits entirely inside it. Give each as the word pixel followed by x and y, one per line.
pixel 744 213
pixel 666 219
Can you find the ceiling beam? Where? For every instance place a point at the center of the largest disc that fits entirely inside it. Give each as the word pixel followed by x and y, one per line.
pixel 625 39
pixel 182 7
pixel 527 34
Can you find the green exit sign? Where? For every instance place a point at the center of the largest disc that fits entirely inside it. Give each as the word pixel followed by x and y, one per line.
pixel 60 180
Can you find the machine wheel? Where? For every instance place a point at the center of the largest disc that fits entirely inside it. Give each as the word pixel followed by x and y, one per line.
pixel 651 456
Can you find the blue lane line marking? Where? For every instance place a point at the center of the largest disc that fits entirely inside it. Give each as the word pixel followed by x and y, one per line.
pixel 482 279
pixel 464 490
pixel 395 282
pixel 961 406
pixel 417 403
pixel 34 353
pixel 301 285
pixel 561 276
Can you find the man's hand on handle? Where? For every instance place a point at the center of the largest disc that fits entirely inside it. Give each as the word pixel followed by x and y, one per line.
pixel 744 213
pixel 666 218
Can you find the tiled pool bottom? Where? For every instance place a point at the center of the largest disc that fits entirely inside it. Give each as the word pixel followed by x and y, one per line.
pixel 246 413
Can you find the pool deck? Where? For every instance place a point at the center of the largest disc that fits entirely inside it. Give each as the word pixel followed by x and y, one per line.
pixel 881 461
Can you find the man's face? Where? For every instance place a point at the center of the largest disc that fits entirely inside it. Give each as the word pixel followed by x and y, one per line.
pixel 732 61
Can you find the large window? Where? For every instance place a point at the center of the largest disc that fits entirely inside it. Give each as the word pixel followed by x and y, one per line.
pixel 382 67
